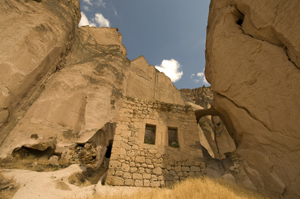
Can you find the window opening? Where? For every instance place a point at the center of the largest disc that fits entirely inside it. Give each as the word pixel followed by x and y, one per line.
pixel 173 137
pixel 150 132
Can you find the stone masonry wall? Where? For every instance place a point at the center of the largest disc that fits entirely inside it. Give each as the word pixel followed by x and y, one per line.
pixel 134 163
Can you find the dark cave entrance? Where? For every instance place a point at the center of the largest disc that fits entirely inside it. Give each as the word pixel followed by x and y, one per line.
pixel 109 148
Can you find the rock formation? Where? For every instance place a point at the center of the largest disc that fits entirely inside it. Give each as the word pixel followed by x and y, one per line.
pixel 253 66
pixel 62 86
pixel 214 136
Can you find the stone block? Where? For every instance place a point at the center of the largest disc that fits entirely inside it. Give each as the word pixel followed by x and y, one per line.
pixel 153 151
pixel 180 174
pixel 144 165
pixel 165 171
pixel 119 173
pixel 153 177
pixel 148 161
pixel 125 167
pixel 133 169
pixel 160 178
pixel 129 182
pixel 137 176
pixel 131 153
pixel 151 166
pixel 185 169
pixel 139 183
pixel 140 159
pixel 114 164
pixel 193 168
pixel 172 172
pixel 178 168
pixel 155 183
pixel 158 155
pixel 127 175
pixel 157 171
pixel 146 183
pixel 114 180
pixel 141 170
pixel 146 176
pixel 132 164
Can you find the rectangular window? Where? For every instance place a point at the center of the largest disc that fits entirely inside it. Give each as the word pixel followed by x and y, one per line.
pixel 173 137
pixel 150 134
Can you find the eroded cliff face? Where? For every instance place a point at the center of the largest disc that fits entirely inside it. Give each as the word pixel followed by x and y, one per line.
pixel 253 66
pixel 62 86
pixel 35 37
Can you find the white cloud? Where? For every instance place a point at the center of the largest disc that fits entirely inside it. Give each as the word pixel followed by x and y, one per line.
pixel 88 2
pixel 100 3
pixel 86 8
pixel 201 77
pixel 98 21
pixel 84 21
pixel 101 21
pixel 200 74
pixel 171 69
pixel 114 9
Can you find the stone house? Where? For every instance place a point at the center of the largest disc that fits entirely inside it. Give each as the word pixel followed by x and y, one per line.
pixel 155 144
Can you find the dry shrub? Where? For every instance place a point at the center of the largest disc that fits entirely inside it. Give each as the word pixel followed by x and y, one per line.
pixel 200 188
pixel 8 187
pixel 78 179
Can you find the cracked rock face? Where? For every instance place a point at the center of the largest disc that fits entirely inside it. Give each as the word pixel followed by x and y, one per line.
pixel 253 66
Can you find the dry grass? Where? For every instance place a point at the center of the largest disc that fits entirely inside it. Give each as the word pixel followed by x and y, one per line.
pixel 201 188
pixel 7 187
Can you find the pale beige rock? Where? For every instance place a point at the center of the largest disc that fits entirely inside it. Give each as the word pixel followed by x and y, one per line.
pixel 35 38
pixel 146 82
pixel 214 136
pixel 81 98
pixel 253 67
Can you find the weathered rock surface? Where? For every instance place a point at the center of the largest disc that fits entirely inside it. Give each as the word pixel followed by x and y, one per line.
pixel 79 99
pixel 214 136
pixel 62 86
pixel 253 66
pixel 35 37
pixel 146 82
pixel 202 96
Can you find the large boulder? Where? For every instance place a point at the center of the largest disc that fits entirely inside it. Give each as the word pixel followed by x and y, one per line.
pixel 253 66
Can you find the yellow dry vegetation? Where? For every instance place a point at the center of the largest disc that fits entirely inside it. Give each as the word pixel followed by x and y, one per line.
pixel 193 188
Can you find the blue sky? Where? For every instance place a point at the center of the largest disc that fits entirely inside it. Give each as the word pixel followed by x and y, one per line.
pixel 170 34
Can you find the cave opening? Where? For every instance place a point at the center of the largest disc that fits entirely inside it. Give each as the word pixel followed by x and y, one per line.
pixel 240 22
pixel 25 152
pixel 109 148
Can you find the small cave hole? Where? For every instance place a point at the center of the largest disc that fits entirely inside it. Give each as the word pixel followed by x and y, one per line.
pixel 240 22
